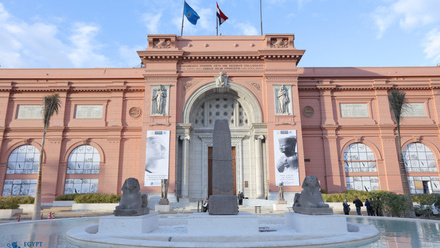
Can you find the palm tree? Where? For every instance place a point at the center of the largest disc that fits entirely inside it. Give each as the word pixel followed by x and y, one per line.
pixel 51 105
pixel 397 104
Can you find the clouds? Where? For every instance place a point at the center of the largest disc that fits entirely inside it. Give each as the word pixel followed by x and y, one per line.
pixel 432 45
pixel 412 17
pixel 84 49
pixel 43 45
pixel 152 21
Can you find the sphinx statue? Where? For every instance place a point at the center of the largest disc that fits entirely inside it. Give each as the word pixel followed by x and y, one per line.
pixel 132 202
pixel 310 201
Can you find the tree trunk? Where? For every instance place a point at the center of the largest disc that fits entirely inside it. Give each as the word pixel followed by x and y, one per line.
pixel 409 209
pixel 37 203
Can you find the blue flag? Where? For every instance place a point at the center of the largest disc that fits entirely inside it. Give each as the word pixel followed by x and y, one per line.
pixel 190 14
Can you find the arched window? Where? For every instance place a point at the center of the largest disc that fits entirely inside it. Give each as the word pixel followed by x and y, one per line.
pixel 359 158
pixel 84 160
pixel 24 160
pixel 419 158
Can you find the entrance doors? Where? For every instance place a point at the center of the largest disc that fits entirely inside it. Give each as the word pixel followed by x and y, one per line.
pixel 210 170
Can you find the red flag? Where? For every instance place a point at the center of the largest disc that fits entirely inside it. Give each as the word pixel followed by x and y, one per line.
pixel 221 17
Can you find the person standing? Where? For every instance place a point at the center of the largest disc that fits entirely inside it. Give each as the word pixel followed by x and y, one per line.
pixel 368 206
pixel 240 198
pixel 205 206
pixel 346 207
pixel 358 203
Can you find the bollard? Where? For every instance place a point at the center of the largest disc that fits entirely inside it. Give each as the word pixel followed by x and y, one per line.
pixel 18 220
pixel 53 215
pixel 50 216
pixel 41 215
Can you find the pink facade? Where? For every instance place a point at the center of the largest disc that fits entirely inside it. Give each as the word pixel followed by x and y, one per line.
pixel 345 131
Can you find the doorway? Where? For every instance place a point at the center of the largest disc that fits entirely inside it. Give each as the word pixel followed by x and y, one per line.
pixel 210 170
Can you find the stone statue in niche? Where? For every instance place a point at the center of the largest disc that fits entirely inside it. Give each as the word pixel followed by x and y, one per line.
pixel 222 81
pixel 132 202
pixel 310 201
pixel 283 100
pixel 164 192
pixel 162 43
pixel 159 100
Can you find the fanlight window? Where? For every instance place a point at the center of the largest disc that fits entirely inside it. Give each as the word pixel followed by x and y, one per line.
pixel 220 109
pixel 24 160
pixel 419 158
pixel 358 157
pixel 84 160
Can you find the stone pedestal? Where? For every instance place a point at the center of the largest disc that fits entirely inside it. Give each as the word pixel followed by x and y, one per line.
pixel 163 208
pixel 164 201
pixel 313 211
pixel 234 225
pixel 316 224
pixel 128 225
pixel 131 212
pixel 223 205
pixel 280 206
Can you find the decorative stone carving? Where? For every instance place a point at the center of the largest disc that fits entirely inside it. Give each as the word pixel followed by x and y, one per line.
pixel 279 42
pixel 132 203
pixel 134 112
pixel 310 201
pixel 164 192
pixel 161 43
pixel 222 81
pixel 308 111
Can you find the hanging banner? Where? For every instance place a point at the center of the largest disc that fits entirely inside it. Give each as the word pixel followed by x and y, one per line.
pixel 157 157
pixel 286 157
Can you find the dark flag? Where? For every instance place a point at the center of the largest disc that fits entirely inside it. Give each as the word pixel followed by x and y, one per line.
pixel 221 17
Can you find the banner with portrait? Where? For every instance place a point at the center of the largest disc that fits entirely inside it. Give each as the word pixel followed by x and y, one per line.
pixel 286 157
pixel 157 157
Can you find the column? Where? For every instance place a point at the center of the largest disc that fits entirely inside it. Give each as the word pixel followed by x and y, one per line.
pixel 185 169
pixel 259 167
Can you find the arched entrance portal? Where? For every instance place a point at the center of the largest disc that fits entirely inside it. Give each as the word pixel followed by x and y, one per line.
pixel 243 112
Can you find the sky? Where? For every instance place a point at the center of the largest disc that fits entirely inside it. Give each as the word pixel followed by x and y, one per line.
pixel 107 33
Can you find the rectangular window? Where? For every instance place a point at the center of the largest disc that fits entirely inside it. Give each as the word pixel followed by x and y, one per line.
pixel 81 186
pixel 88 112
pixel 30 112
pixel 414 110
pixel 354 110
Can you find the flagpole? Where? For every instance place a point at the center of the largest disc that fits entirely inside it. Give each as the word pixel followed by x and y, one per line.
pixel 261 18
pixel 183 15
pixel 216 22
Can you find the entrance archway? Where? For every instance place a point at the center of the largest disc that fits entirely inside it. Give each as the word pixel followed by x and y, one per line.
pixel 206 105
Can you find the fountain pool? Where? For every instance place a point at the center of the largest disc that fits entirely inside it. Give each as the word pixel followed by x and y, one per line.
pixel 394 232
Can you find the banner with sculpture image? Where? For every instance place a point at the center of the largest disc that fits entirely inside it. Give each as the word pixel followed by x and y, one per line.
pixel 157 157
pixel 286 157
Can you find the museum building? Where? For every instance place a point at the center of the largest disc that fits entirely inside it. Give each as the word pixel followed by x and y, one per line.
pixel 156 122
